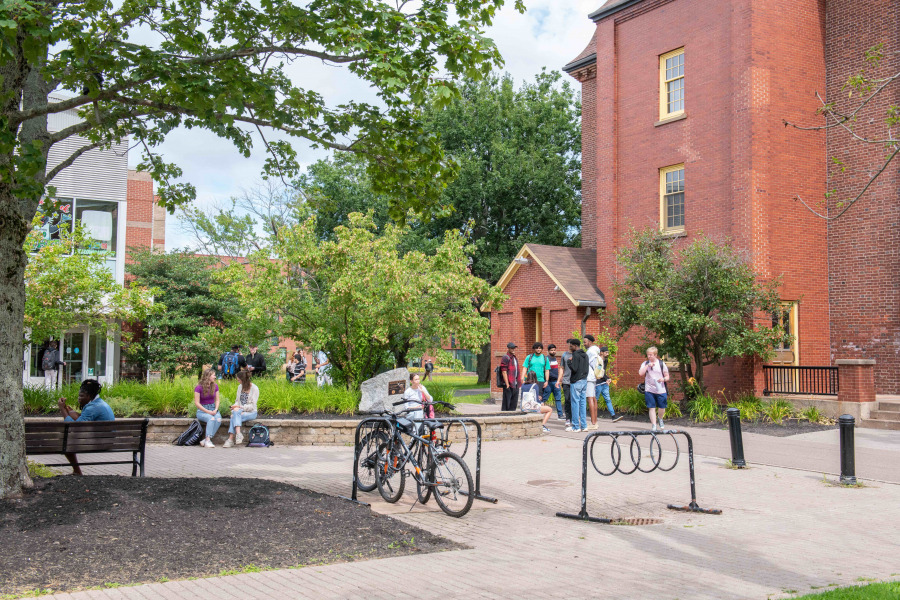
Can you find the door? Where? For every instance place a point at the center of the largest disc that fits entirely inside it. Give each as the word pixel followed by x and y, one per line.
pixel 787 352
pixel 73 354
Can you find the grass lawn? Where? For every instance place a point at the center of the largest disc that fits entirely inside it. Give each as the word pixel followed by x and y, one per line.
pixel 873 591
pixel 457 382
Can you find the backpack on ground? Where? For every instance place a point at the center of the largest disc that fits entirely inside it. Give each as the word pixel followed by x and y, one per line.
pixel 259 437
pixel 230 364
pixel 191 436
pixel 47 362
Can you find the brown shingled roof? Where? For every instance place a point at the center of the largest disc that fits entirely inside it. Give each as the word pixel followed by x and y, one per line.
pixel 573 269
pixel 589 50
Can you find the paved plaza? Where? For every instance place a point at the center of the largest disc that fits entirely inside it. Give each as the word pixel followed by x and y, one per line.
pixel 784 526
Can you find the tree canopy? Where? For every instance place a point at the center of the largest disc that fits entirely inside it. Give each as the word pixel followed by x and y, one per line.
pixel 361 297
pixel 698 305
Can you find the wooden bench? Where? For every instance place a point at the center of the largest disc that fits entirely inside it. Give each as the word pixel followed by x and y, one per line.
pixel 71 438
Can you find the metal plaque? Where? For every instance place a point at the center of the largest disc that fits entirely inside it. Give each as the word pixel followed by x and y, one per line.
pixel 396 387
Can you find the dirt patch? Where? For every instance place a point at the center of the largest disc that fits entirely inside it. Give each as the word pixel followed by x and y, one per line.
pixel 788 428
pixel 73 533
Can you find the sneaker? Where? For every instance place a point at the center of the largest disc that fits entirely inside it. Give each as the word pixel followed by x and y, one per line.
pixel 570 428
pixel 617 418
pixel 593 427
pixel 229 443
pixel 208 443
pixel 545 429
pixel 568 423
pixel 578 430
pixel 238 439
pixel 653 428
pixel 661 424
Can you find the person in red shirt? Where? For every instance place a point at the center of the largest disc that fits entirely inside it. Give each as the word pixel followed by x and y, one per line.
pixel 512 378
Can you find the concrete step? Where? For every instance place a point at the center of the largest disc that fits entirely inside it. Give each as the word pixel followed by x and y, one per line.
pixel 884 415
pixel 880 424
pixel 888 406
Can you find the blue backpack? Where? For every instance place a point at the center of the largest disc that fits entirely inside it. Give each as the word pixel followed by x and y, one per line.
pixel 230 364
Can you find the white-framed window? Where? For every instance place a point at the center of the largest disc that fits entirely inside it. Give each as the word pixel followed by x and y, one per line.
pixel 671 199
pixel 671 84
pixel 99 218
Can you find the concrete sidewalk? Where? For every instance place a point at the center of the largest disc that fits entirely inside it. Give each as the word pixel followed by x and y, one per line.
pixel 781 529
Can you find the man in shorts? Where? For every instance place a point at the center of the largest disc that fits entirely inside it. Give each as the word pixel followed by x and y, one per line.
pixel 656 374
pixel 593 354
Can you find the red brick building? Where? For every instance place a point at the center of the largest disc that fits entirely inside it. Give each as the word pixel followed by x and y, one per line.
pixel 684 103
pixel 146 220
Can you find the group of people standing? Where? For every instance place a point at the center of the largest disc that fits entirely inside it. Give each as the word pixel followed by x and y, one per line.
pixel 295 370
pixel 582 375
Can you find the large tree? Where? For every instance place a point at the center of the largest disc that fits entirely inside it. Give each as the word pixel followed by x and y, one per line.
pixel 361 297
pixel 698 305
pixel 221 66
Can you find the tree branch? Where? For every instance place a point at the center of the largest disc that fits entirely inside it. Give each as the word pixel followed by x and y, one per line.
pixel 71 159
pixel 844 118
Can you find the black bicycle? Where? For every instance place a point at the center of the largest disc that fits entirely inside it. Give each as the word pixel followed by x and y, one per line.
pixel 435 469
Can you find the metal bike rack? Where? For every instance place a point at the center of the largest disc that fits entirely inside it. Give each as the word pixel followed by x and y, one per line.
pixel 616 454
pixel 389 427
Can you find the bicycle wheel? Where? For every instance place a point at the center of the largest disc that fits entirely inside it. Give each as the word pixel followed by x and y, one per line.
pixel 389 479
pixel 423 491
pixel 367 459
pixel 453 489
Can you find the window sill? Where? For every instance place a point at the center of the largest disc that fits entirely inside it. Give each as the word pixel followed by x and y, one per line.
pixel 670 119
pixel 679 233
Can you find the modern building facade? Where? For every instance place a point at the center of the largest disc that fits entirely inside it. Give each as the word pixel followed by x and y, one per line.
pixel 118 210
pixel 684 104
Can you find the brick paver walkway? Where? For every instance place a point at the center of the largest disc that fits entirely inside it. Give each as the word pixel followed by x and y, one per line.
pixel 782 529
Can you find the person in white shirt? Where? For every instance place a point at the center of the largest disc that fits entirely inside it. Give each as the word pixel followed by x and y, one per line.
pixel 656 374
pixel 593 354
pixel 244 408
pixel 323 369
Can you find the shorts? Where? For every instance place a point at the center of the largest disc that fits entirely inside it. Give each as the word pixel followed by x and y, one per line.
pixel 656 400
pixel 591 390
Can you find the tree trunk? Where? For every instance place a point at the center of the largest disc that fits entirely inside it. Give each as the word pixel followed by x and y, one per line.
pixel 483 364
pixel 13 468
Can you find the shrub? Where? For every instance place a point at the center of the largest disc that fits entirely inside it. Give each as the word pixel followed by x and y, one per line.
pixel 673 410
pixel 704 409
pixel 778 410
pixel 628 401
pixel 127 407
pixel 750 406
pixel 814 415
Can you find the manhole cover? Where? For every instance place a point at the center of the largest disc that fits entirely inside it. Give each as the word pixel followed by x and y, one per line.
pixel 548 483
pixel 637 521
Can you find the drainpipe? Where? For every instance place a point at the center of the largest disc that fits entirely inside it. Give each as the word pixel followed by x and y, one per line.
pixel 587 313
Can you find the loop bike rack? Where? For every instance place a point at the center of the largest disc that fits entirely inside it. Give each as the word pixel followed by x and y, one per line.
pixel 365 423
pixel 634 453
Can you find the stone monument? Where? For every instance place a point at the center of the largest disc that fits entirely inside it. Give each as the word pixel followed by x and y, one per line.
pixel 380 392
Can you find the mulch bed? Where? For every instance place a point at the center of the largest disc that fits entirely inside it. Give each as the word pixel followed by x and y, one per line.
pixel 72 533
pixel 788 428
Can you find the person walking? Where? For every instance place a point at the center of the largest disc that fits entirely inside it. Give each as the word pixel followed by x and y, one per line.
pixel 553 387
pixel 50 363
pixel 323 369
pixel 256 362
pixel 603 384
pixel 509 369
pixel 206 399
pixel 429 367
pixel 243 410
pixel 565 381
pixel 593 354
pixel 579 367
pixel 231 362
pixel 538 364
pixel 656 374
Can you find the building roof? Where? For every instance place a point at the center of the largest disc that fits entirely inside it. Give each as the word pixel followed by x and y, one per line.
pixel 574 270
pixel 613 6
pixel 588 56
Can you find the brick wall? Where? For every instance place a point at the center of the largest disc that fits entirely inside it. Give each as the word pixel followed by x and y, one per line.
pixel 747 68
pixel 864 244
pixel 145 220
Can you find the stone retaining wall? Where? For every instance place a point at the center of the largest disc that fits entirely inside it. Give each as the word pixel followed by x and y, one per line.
pixel 339 432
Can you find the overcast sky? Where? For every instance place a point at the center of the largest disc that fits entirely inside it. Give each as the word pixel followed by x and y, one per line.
pixel 549 34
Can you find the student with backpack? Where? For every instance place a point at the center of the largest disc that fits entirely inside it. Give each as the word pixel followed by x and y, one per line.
pixel 656 374
pixel 538 364
pixel 206 399
pixel 50 364
pixel 232 362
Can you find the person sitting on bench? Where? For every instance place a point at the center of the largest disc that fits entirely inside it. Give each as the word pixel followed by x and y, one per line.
pixel 93 408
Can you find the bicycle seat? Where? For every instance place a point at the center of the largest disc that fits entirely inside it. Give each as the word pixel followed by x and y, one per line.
pixel 433 424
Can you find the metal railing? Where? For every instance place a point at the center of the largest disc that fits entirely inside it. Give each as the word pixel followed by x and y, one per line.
pixel 634 453
pixel 370 423
pixel 807 381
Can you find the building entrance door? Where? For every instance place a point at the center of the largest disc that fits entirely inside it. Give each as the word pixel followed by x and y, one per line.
pixel 787 352
pixel 73 354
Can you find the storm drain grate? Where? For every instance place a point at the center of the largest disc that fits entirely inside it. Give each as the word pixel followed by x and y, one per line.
pixel 637 521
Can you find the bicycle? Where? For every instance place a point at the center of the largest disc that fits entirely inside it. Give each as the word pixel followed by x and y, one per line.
pixel 436 470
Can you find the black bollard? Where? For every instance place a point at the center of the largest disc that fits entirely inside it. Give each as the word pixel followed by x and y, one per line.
pixel 737 442
pixel 848 453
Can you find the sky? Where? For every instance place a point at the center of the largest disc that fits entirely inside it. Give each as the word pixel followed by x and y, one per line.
pixel 550 34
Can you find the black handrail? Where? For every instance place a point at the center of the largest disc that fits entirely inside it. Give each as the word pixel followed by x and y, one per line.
pixel 806 381
pixel 617 453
